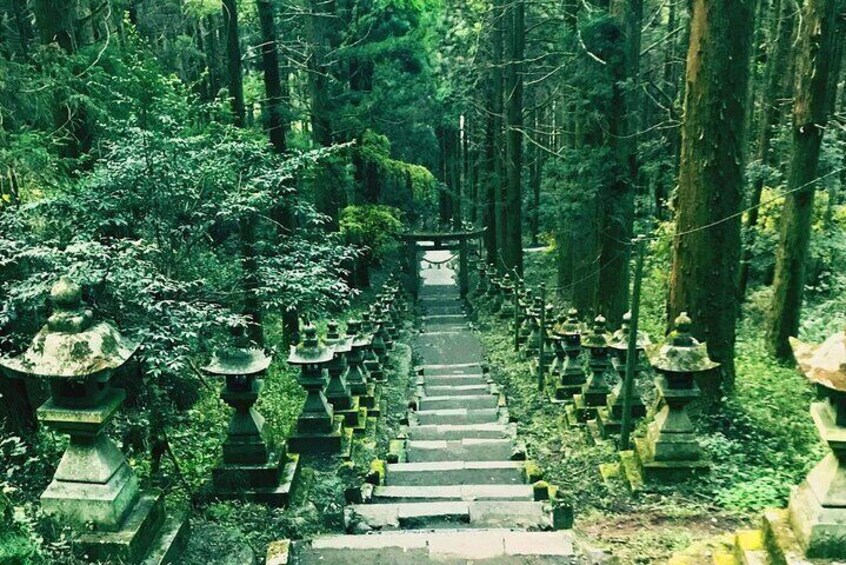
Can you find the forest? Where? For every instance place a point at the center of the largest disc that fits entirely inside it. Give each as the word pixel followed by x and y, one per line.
pixel 265 264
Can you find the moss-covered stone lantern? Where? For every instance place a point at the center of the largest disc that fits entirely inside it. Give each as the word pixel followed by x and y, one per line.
pixel 371 357
pixel 573 376
pixel 817 507
pixel 506 310
pixel 482 284
pixel 358 376
pixel 609 418
pixel 338 391
pixel 93 487
pixel 253 467
pixel 318 431
pixel 381 342
pixel 524 307
pixel 596 389
pixel 533 321
pixel 495 295
pixel 670 450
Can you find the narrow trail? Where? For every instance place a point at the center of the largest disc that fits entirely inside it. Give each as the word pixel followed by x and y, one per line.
pixel 457 487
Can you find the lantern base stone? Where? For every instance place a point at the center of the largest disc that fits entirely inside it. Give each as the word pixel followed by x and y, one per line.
pixel 582 411
pixel 372 400
pixel 272 485
pixel 355 418
pixel 818 511
pixel 665 471
pixel 104 504
pixel 147 535
pixel 318 442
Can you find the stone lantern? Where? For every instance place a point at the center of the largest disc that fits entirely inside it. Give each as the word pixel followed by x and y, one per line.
pixel 318 431
pixel 609 418
pixel 358 376
pixel 492 290
pixel 533 321
pixel 94 488
pixel 524 306
pixel 482 285
pixel 388 317
pixel 670 451
pixel 338 391
pixel 253 467
pixel 393 309
pixel 557 339
pixel 506 310
pixel 817 507
pixel 371 358
pixel 383 323
pixel 496 294
pixel 379 344
pixel 596 390
pixel 572 377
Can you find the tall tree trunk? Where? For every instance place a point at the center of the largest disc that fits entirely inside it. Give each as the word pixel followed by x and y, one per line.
pixel 490 181
pixel 775 86
pixel 618 209
pixel 23 27
pixel 272 80
pixel 706 255
pixel 233 62
pixel 513 255
pixel 498 110
pixel 810 115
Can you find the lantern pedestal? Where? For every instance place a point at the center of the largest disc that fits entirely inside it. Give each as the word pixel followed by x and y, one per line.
pixel 253 468
pixel 372 400
pixel 670 452
pixel 817 507
pixel 318 430
pixel 94 484
pixel 334 440
pixel 609 418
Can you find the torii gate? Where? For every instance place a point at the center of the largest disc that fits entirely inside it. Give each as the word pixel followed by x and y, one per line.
pixel 450 240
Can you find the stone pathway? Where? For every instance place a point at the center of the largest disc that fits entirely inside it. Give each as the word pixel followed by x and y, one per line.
pixel 457 487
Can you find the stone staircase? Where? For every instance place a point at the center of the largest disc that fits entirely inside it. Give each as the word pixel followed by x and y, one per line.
pixel 457 486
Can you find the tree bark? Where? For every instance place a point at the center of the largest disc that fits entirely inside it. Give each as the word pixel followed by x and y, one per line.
pixel 272 80
pixel 810 115
pixel 513 256
pixel 618 209
pixel 706 249
pixel 233 62
pixel 774 91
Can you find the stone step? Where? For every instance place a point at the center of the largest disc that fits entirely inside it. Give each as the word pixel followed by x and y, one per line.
pixel 453 369
pixel 456 390
pixel 459 450
pixel 382 494
pixel 456 416
pixel 454 431
pixel 454 380
pixel 446 547
pixel 438 473
pixel 452 402
pixel 473 514
pixel 457 319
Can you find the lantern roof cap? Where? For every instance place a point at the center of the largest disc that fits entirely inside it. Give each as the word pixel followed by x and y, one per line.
pixel 620 338
pixel 71 345
pixel 360 339
pixel 238 361
pixel 597 337
pixel 339 343
pixel 681 352
pixel 823 364
pixel 571 324
pixel 311 351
